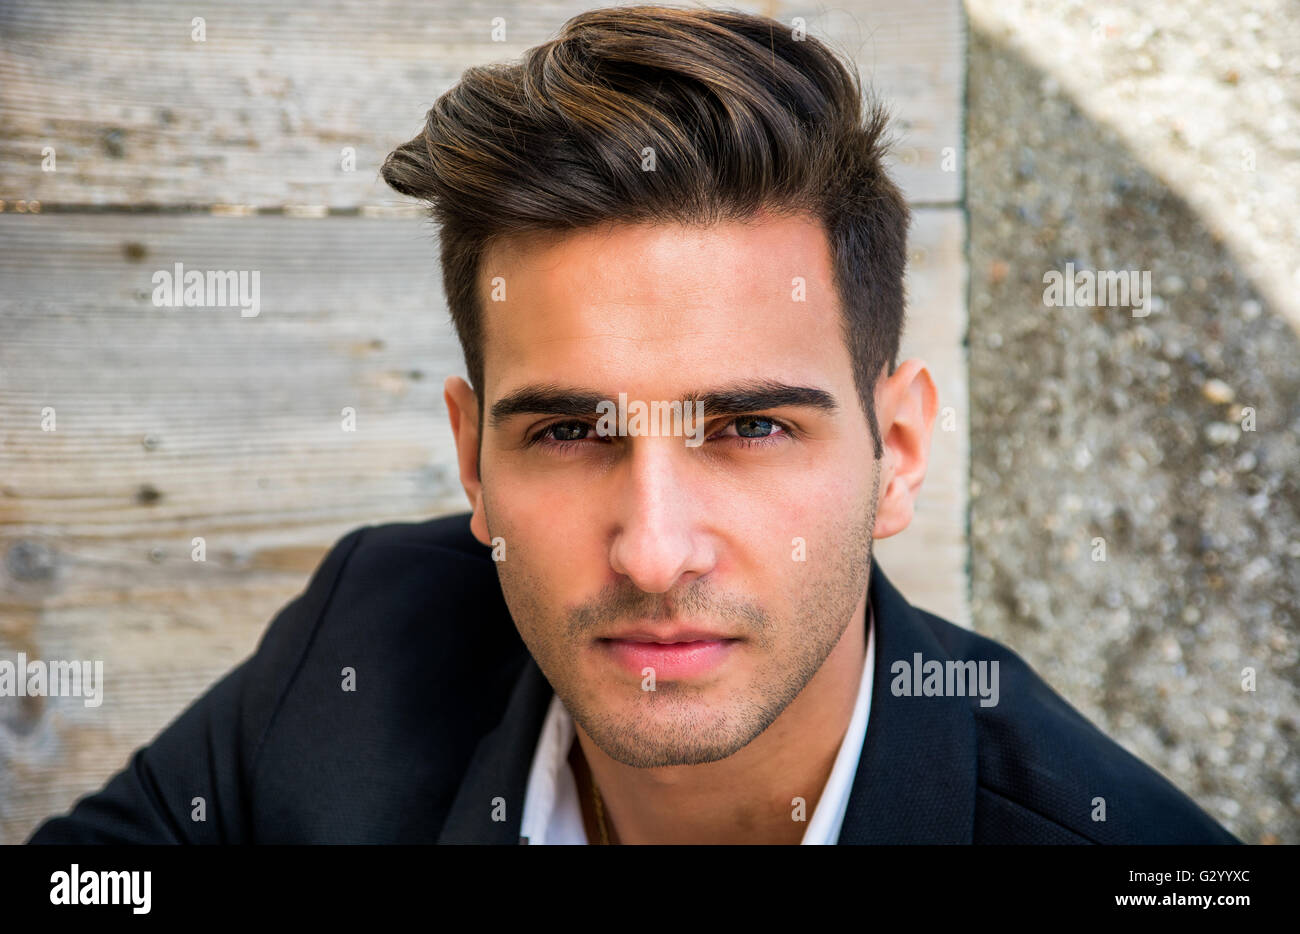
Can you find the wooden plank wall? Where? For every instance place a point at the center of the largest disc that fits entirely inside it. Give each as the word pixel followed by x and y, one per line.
pixel 172 424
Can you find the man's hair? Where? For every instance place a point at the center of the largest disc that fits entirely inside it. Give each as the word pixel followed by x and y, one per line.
pixel 738 115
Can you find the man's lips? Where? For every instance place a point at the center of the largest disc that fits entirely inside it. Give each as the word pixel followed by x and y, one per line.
pixel 670 655
pixel 669 637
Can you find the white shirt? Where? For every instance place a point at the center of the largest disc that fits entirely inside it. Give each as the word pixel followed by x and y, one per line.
pixel 552 814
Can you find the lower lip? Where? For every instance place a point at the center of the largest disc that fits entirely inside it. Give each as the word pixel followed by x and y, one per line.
pixel 668 660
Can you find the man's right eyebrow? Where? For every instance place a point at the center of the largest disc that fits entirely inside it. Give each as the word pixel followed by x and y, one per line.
pixel 546 400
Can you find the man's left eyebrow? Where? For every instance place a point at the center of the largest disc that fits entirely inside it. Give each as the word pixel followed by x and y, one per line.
pixel 736 399
pixel 758 395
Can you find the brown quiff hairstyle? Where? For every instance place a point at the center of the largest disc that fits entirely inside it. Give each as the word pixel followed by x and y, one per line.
pixel 740 115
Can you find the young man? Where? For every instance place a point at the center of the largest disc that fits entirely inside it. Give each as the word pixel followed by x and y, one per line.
pixel 675 263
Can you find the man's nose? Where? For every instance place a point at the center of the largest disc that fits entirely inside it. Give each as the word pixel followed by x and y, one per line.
pixel 660 538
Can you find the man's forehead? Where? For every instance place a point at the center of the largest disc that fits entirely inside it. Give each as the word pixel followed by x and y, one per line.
pixel 794 241
pixel 657 288
pixel 650 307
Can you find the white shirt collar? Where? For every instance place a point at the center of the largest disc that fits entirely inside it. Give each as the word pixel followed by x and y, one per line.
pixel 552 814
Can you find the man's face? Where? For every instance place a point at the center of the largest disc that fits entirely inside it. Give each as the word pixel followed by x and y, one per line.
pixel 749 551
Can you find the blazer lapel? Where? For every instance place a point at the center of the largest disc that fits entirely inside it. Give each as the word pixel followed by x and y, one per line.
pixel 498 771
pixel 916 777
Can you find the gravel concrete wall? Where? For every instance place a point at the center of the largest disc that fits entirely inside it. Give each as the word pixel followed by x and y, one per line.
pixel 1135 488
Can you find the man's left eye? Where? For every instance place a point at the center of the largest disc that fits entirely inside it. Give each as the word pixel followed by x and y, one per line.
pixel 755 426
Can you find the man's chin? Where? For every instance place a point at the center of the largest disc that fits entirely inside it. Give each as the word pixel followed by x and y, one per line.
pixel 675 727
pixel 659 753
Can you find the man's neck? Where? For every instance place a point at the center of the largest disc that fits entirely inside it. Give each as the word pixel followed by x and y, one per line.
pixel 748 797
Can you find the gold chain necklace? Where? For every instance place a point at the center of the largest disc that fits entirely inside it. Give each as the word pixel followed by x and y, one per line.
pixel 600 809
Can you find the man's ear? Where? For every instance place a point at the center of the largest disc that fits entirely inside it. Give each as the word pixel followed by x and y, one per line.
pixel 462 409
pixel 906 405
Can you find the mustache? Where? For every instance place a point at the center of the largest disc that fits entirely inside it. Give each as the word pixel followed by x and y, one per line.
pixel 694 603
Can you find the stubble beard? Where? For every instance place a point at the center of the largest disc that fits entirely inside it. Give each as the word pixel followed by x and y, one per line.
pixel 680 723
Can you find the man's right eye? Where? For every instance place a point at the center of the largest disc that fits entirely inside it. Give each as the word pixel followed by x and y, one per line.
pixel 560 433
pixel 567 431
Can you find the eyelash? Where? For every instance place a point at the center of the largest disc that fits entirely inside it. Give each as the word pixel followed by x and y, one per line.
pixel 538 438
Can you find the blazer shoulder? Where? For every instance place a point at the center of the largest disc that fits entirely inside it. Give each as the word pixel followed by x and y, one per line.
pixel 401 590
pixel 1046 769
pixel 398 566
pixel 351 722
pixel 449 533
pixel 410 656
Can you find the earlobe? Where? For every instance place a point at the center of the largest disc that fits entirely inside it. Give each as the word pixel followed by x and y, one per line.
pixel 897 517
pixel 478 522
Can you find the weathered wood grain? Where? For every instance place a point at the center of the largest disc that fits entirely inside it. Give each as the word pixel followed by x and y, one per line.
pixel 176 423
pixel 138 113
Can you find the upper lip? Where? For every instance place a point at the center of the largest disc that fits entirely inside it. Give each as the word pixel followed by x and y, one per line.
pixel 671 635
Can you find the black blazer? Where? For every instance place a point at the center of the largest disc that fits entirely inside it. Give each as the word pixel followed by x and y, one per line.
pixel 448 706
